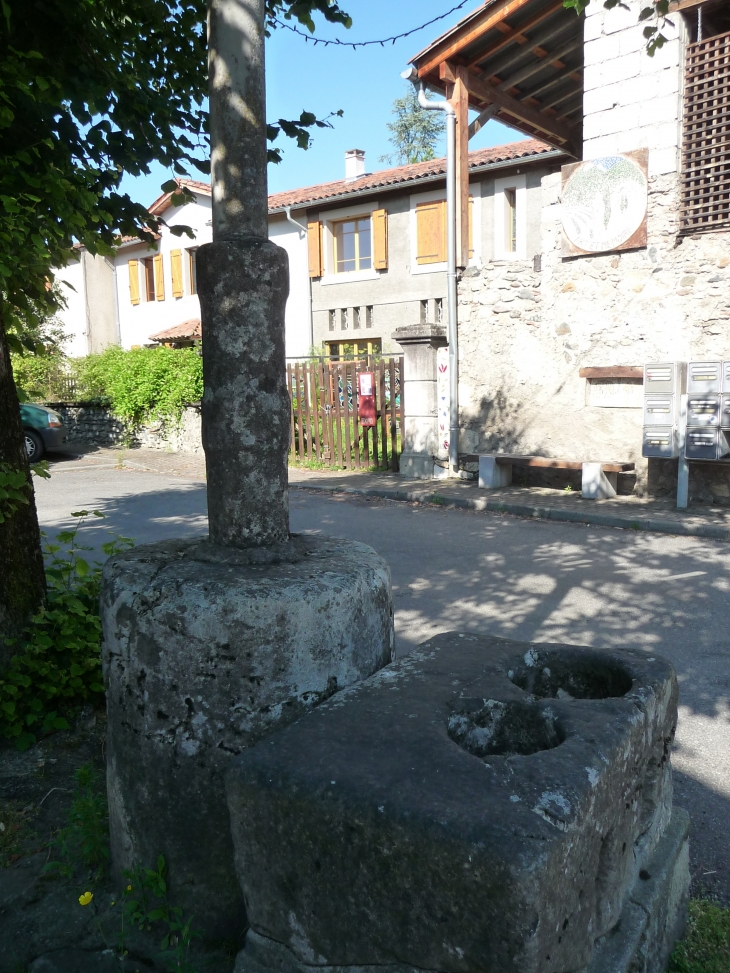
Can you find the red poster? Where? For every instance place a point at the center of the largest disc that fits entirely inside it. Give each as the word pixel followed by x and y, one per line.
pixel 366 398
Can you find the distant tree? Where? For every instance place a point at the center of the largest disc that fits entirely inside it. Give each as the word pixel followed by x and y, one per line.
pixel 415 132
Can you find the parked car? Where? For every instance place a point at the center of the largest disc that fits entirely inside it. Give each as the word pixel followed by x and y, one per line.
pixel 43 429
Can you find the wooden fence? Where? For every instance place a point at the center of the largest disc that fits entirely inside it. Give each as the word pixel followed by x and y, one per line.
pixel 325 421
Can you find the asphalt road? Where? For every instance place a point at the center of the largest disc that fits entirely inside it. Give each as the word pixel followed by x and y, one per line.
pixel 531 580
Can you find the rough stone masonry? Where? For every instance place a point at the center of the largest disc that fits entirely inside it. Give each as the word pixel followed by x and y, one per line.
pixel 208 646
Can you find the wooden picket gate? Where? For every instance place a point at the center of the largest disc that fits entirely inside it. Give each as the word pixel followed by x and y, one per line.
pixel 325 422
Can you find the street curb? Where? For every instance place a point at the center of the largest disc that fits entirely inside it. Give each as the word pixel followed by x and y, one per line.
pixel 642 524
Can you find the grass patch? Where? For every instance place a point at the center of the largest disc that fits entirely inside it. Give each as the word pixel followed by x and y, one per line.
pixel 706 946
pixel 15 832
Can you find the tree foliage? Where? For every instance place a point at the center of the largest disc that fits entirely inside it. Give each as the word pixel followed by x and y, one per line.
pixel 415 132
pixel 656 11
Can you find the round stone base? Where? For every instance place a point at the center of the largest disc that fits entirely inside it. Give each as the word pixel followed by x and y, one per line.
pixel 206 650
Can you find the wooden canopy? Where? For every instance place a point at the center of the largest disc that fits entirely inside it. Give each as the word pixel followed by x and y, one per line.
pixel 520 61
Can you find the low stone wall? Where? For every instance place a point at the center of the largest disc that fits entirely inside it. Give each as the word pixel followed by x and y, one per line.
pixel 95 425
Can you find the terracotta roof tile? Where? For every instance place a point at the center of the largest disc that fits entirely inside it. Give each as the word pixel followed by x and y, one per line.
pixel 514 151
pixel 187 331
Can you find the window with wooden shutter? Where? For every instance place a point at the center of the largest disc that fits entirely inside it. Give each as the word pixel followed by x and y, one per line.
pixel 149 279
pixel 193 270
pixel 177 272
pixel 380 239
pixel 705 202
pixel 315 248
pixel 133 281
pixel 431 232
pixel 159 277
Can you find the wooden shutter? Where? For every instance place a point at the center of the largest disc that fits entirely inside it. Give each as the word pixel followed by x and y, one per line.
pixel 159 277
pixel 315 248
pixel 133 281
pixel 431 232
pixel 705 199
pixel 380 239
pixel 176 271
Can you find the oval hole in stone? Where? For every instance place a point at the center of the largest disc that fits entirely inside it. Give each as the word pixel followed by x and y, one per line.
pixel 491 728
pixel 571 675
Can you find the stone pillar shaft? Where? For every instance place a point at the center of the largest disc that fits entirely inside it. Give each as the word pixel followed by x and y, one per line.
pixel 243 284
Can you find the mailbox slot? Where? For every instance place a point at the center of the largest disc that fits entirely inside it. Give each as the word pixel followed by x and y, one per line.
pixel 704 376
pixel 659 410
pixel 660 441
pixel 726 376
pixel 665 378
pixel 706 444
pixel 703 410
pixel 725 412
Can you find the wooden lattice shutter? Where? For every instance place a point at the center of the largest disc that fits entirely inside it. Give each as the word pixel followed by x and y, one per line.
pixel 431 232
pixel 705 203
pixel 159 277
pixel 380 239
pixel 133 281
pixel 177 272
pixel 315 248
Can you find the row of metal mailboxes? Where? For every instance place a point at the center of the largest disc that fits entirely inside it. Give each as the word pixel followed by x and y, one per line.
pixel 707 443
pixel 702 410
pixel 695 378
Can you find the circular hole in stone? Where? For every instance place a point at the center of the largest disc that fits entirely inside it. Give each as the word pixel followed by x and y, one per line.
pixel 489 727
pixel 570 675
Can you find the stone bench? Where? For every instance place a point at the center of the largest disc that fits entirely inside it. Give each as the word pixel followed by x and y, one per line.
pixel 480 805
pixel 599 480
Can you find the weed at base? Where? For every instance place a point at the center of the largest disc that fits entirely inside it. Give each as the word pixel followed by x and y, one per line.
pixel 706 945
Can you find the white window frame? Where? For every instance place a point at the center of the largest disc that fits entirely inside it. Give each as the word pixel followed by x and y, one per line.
pixel 328 220
pixel 475 191
pixel 519 184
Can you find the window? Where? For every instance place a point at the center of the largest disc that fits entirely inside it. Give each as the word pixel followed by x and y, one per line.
pixel 352 245
pixel 354 349
pixel 431 231
pixel 510 220
pixel 193 270
pixel 510 223
pixel 149 279
pixel 705 202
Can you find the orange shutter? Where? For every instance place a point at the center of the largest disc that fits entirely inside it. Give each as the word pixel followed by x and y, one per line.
pixel 133 281
pixel 314 245
pixel 431 232
pixel 159 277
pixel 380 239
pixel 176 271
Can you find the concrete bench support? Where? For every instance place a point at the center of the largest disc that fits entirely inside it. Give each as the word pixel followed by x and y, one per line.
pixel 493 473
pixel 597 484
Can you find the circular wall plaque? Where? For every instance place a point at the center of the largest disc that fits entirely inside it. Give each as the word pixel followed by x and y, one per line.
pixel 604 203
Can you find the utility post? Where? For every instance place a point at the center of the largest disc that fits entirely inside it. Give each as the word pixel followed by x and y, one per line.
pixel 458 96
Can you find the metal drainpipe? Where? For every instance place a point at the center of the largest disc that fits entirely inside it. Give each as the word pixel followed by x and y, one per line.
pixel 448 109
pixel 303 229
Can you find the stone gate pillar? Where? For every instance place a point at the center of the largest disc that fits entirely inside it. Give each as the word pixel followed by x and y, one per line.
pixel 420 343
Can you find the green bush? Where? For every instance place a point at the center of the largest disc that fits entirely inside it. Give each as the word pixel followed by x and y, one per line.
pixel 144 383
pixel 706 946
pixel 43 378
pixel 57 663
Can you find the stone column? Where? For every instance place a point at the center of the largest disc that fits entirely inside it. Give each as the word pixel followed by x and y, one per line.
pixel 243 283
pixel 209 645
pixel 420 427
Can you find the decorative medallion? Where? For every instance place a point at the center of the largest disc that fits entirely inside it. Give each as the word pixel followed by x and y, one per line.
pixel 604 203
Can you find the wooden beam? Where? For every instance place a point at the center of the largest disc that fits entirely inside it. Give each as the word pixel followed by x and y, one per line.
pixel 531 69
pixel 479 26
pixel 488 94
pixel 516 35
pixel 535 45
pixel 572 93
pixel 478 124
pixel 458 95
pixel 614 371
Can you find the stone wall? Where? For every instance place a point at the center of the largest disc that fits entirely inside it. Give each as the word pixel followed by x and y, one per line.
pixel 526 333
pixel 95 426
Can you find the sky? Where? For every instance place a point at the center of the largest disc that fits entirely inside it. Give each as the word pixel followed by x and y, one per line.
pixel 363 83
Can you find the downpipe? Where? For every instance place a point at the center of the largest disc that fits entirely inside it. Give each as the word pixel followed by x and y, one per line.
pixel 453 334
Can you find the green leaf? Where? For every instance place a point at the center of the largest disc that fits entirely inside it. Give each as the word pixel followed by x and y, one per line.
pixel 82 567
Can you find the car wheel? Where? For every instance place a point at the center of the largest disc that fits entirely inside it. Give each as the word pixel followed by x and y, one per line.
pixel 33 445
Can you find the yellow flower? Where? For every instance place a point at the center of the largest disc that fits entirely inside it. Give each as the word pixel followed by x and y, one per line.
pixel 86 898
pixel 129 888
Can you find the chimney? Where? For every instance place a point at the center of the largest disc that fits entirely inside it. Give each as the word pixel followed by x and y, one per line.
pixel 354 164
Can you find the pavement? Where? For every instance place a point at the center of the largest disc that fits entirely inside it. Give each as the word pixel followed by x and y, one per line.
pixel 458 567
